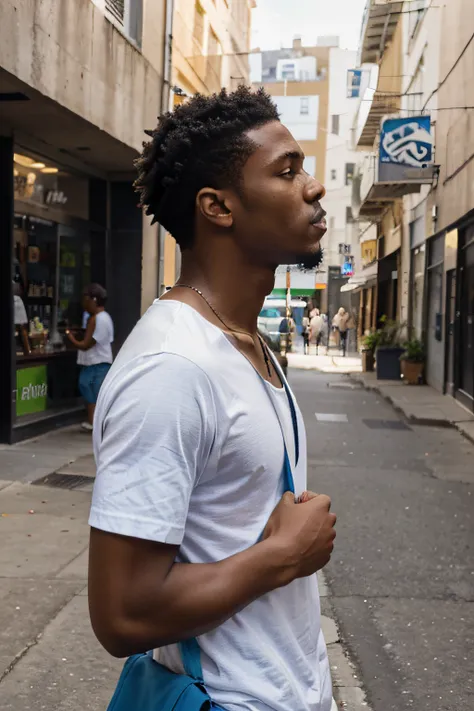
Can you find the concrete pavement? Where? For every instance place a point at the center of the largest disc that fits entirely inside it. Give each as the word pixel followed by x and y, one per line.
pixel 49 657
pixel 401 579
pixel 421 403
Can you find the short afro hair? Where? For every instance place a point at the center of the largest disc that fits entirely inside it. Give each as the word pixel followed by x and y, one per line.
pixel 202 143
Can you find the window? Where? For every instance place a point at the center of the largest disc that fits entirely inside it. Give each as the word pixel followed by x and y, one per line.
pixel 333 174
pixel 335 124
pixel 349 172
pixel 116 9
pixel 128 15
pixel 415 90
pixel 304 106
pixel 198 27
pixel 417 12
pixel 332 223
pixel 349 216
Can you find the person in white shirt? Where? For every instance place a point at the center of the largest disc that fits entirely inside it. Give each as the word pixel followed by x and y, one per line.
pixel 95 350
pixel 195 531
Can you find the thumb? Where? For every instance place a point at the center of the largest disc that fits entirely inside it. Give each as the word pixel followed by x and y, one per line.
pixel 288 498
pixel 307 496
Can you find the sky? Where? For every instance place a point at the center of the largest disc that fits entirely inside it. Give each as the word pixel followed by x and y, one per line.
pixel 276 22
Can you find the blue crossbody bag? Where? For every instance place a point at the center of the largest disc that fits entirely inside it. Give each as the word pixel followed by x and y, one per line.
pixel 146 685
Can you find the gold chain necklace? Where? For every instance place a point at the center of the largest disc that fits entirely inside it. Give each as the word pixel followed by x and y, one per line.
pixel 263 345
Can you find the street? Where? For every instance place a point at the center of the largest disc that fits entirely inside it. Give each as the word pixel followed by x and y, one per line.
pixel 402 576
pixel 400 584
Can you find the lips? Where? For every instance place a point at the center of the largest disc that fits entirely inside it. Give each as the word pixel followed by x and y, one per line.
pixel 319 219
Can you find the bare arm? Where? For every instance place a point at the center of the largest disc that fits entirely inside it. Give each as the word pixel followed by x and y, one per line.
pixel 88 340
pixel 140 599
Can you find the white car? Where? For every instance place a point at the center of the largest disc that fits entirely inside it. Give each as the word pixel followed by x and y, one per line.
pixel 269 321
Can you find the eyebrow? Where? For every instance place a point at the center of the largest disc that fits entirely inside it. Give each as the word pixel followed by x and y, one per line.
pixel 293 155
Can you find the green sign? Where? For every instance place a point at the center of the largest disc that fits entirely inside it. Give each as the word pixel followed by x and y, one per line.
pixel 31 390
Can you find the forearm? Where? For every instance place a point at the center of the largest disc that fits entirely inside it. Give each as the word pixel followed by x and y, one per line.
pixel 196 598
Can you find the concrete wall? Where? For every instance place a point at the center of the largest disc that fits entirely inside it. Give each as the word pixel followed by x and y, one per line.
pixel 200 65
pixel 73 55
pixel 455 127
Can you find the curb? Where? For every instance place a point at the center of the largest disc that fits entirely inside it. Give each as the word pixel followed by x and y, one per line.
pixel 347 688
pixel 421 421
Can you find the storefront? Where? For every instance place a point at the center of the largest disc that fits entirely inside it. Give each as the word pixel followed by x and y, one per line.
pixel 464 331
pixel 53 250
pixel 417 276
pixel 434 329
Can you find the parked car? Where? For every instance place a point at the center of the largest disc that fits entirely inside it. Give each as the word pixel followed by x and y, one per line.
pixel 269 321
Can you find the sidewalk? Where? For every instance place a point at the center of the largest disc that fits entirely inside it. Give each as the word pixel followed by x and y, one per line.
pixel 421 404
pixel 49 657
pixel 330 363
pixel 34 458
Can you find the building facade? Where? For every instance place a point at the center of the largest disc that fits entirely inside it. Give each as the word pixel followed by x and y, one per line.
pixel 80 80
pixel 417 186
pixel 209 51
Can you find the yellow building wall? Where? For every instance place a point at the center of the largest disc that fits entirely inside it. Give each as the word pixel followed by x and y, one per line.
pixel 210 51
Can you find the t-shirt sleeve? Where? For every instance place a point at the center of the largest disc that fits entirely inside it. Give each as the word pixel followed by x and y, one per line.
pixel 101 333
pixel 154 431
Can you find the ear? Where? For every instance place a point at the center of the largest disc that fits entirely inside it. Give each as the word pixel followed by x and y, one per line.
pixel 215 206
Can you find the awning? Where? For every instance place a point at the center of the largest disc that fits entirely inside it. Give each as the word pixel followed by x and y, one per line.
pixel 362 278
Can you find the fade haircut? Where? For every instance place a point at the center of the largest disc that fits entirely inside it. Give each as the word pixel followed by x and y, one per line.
pixel 202 143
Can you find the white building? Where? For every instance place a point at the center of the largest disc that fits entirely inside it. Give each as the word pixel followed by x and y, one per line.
pixel 341 243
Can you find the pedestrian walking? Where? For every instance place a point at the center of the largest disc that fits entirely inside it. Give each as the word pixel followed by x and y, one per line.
pixel 95 349
pixel 341 325
pixel 306 331
pixel 316 326
pixel 196 552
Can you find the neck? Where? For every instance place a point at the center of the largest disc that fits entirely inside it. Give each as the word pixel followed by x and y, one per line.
pixel 235 288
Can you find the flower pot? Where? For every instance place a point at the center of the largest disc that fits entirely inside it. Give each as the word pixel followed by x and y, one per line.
pixel 412 372
pixel 388 363
pixel 368 361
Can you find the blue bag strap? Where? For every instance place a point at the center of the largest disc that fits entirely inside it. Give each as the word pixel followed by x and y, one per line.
pixel 191 658
pixel 294 419
pixel 189 648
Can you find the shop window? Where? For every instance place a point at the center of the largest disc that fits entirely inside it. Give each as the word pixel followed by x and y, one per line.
pixel 51 267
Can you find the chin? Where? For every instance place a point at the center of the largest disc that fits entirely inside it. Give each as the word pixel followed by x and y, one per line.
pixel 309 261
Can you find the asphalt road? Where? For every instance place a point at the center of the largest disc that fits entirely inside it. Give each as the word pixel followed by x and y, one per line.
pixel 402 573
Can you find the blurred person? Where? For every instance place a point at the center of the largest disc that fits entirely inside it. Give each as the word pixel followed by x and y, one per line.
pixel 196 425
pixel 316 326
pixel 20 318
pixel 340 323
pixel 95 350
pixel 306 330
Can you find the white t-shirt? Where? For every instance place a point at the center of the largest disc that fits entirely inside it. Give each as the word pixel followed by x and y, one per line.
pixel 19 311
pixel 101 351
pixel 189 451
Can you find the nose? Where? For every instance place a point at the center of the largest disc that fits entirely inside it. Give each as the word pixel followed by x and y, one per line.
pixel 314 190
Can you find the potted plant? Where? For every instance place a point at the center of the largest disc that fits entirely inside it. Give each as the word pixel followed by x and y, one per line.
pixel 369 346
pixel 388 350
pixel 413 361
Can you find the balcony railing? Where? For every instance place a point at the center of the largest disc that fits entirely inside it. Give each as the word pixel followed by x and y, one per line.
pixel 378 25
pixel 371 196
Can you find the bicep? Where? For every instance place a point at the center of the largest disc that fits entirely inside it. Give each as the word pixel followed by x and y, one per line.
pixel 119 568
